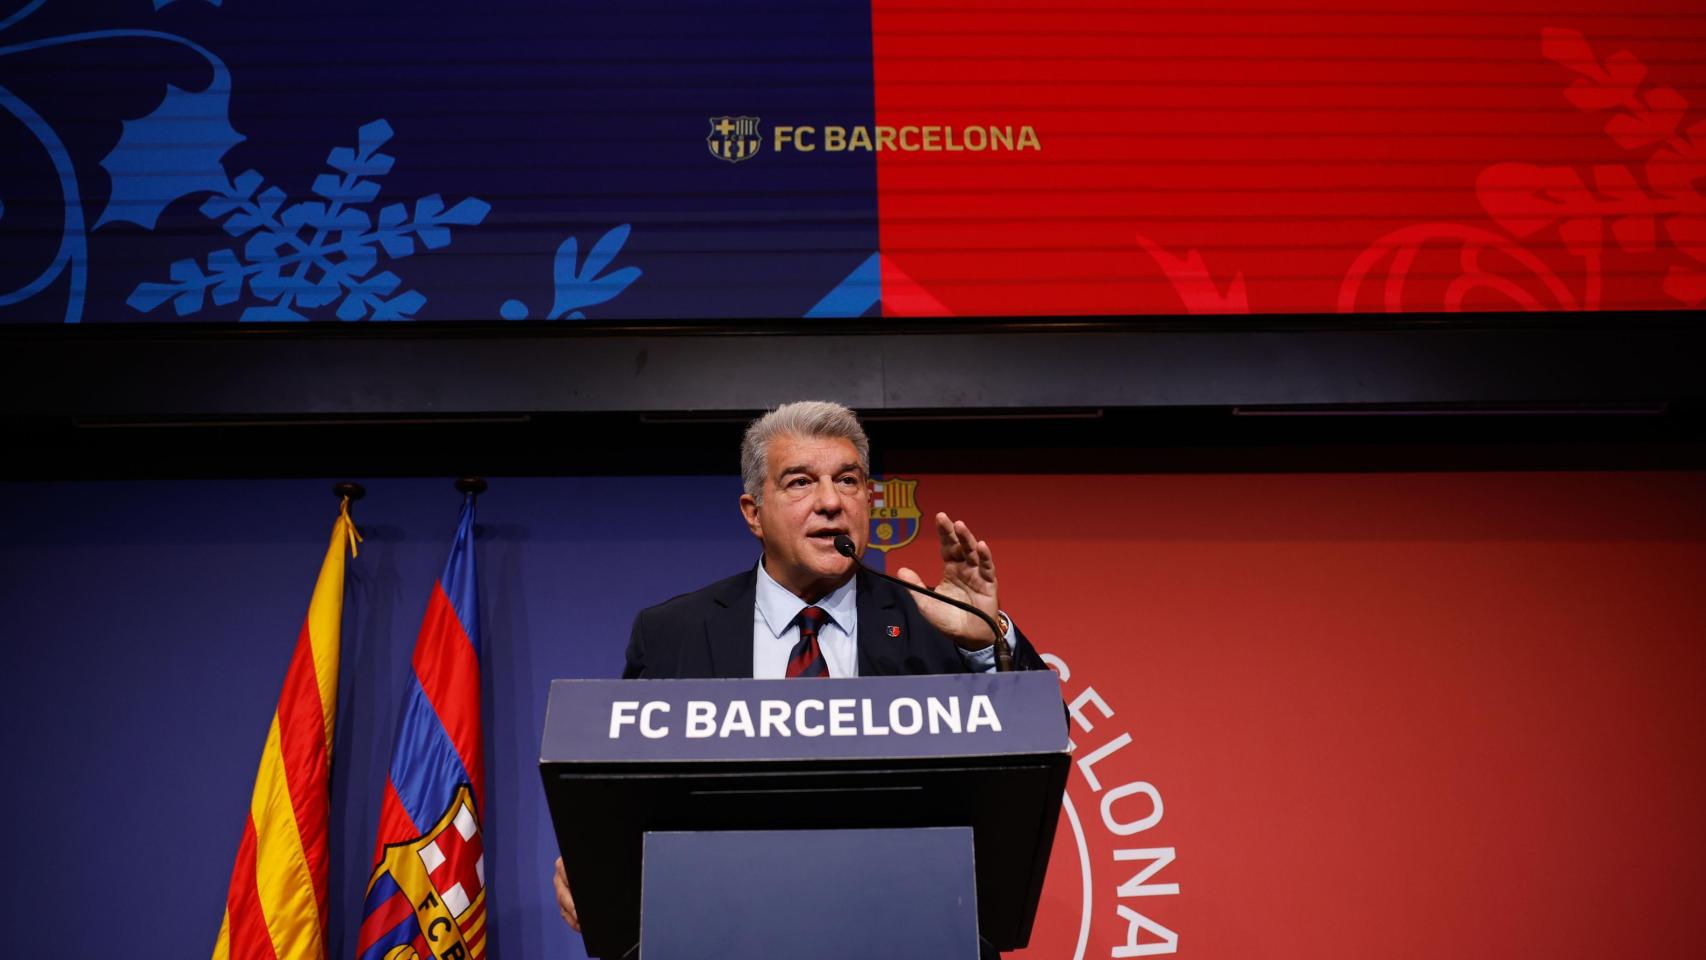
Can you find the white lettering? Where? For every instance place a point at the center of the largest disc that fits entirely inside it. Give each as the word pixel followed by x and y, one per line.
pixel 1139 886
pixel 1076 707
pixel 869 724
pixel 1059 666
pixel 621 713
pixel 1136 826
pixel 982 712
pixel 701 718
pixel 1096 755
pixel 909 726
pixel 739 718
pixel 944 714
pixel 1137 922
pixel 773 716
pixel 841 717
pixel 808 730
pixel 646 713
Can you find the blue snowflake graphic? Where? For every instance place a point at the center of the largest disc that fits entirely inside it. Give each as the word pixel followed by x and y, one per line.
pixel 308 254
pixel 578 282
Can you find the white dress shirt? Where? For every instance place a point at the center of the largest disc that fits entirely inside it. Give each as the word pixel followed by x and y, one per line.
pixel 775 631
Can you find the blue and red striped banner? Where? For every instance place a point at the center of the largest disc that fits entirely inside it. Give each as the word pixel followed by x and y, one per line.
pixel 429 863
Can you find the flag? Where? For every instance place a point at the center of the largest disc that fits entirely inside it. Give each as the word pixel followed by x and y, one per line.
pixel 427 891
pixel 276 907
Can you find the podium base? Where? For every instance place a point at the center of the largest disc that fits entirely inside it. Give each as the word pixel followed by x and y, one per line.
pixel 809 894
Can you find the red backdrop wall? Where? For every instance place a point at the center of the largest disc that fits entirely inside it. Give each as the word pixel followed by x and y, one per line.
pixel 1368 715
pixel 1277 157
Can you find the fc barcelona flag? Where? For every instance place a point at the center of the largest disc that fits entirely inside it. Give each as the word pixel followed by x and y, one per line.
pixel 426 897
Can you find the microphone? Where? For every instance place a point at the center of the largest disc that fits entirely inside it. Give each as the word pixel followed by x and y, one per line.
pixel 1003 656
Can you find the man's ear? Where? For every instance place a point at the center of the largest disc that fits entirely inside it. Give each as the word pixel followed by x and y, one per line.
pixel 749 510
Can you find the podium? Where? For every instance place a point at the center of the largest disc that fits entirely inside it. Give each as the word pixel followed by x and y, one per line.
pixel 853 817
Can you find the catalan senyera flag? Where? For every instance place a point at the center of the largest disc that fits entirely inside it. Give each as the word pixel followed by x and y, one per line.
pixel 276 907
pixel 426 896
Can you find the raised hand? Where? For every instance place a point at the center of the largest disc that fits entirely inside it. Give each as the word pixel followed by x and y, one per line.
pixel 968 574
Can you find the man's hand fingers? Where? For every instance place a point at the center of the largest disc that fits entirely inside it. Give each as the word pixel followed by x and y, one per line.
pixel 565 899
pixel 950 540
pixel 967 542
pixel 985 561
pixel 910 576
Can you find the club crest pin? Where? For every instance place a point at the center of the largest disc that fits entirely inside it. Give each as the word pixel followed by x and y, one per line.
pixel 894 513
pixel 894 631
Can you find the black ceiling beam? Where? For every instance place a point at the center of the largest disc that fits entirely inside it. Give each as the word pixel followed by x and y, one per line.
pixel 374 371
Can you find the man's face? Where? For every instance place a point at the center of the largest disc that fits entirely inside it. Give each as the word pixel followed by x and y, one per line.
pixel 814 489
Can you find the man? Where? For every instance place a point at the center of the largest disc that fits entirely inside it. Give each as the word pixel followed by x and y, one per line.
pixel 804 609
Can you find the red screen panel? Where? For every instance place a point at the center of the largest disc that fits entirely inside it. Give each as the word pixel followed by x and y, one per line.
pixel 1266 157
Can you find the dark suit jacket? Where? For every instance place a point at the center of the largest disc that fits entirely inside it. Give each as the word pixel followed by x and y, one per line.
pixel 708 633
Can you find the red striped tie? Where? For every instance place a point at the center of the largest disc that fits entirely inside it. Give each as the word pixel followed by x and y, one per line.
pixel 807 658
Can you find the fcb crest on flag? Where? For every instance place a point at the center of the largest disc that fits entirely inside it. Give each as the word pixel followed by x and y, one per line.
pixel 894 513
pixel 426 896
pixel 433 888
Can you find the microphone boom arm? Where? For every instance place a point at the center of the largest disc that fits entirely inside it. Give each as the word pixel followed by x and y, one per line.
pixel 1003 654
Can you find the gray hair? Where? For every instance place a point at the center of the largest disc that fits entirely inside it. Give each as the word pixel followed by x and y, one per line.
pixel 802 418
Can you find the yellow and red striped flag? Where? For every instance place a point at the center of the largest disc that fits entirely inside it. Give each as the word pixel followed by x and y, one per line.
pixel 276 907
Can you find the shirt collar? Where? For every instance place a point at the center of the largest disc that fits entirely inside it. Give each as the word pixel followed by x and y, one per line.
pixel 778 605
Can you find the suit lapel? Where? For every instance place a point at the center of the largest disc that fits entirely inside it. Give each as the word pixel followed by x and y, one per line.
pixel 728 629
pixel 879 614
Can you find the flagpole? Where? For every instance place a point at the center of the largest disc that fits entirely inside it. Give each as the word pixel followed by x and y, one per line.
pixel 473 486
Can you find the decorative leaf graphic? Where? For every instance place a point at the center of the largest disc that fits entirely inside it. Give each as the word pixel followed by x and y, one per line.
pixel 1193 283
pixel 1650 119
pixel 1602 86
pixel 581 286
pixel 171 153
pixel 1689 235
pixel 1525 199
pixel 1634 231
pixel 1673 174
pixel 577 282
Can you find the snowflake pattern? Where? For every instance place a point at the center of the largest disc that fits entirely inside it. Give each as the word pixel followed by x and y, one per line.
pixel 305 255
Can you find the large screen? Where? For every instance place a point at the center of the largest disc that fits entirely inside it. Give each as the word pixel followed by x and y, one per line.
pixel 192 160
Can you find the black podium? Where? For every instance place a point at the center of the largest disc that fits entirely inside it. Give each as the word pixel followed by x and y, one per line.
pixel 877 816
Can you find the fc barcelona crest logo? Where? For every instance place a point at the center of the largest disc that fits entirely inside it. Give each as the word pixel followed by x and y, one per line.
pixel 734 138
pixel 427 897
pixel 894 513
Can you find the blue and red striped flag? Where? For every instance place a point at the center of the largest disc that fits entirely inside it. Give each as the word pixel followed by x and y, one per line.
pixel 428 879
pixel 276 906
